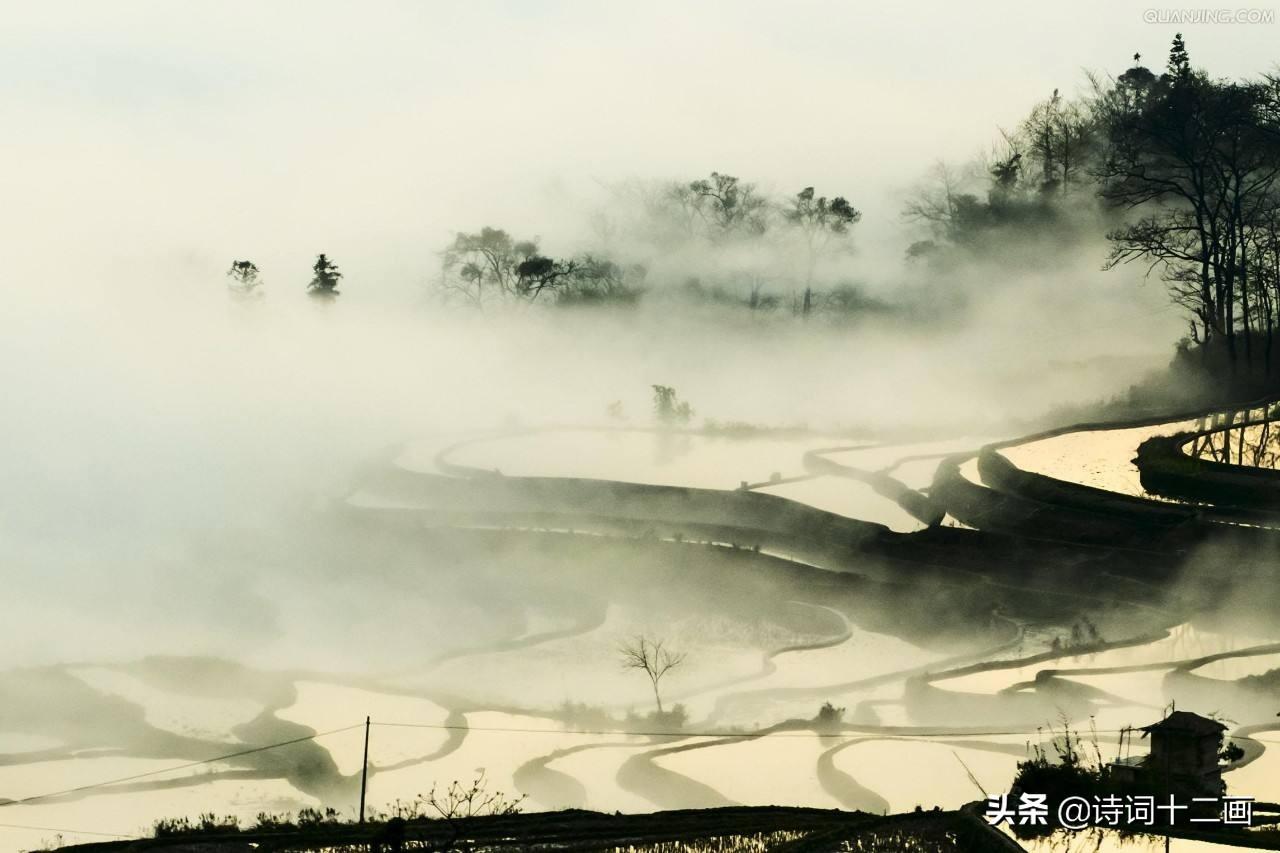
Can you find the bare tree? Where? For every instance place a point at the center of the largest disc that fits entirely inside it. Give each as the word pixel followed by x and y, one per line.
pixel 459 801
pixel 1059 135
pixel 937 202
pixel 456 803
pixel 652 656
pixel 489 262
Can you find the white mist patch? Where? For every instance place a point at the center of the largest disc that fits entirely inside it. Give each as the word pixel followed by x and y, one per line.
pixel 847 497
pixel 779 769
pixel 122 812
pixel 1259 778
pixel 597 769
pixel 191 716
pixel 496 744
pixel 586 668
pixel 19 742
pixel 892 456
pixel 925 772
pixel 864 655
pixel 639 456
pixel 1229 669
pixel 1182 643
pixel 325 707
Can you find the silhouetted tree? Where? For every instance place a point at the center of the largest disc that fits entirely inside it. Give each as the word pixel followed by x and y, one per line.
pixel 937 202
pixel 653 658
pixel 1198 160
pixel 819 220
pixel 459 801
pixel 829 717
pixel 488 262
pixel 245 278
pixel 958 216
pixel 537 273
pixel 594 279
pixel 324 281
pixel 1059 137
pixel 728 205
pixel 682 205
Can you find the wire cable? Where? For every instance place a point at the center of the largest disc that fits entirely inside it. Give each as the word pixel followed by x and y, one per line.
pixel 175 768
pixel 722 734
pixel 62 830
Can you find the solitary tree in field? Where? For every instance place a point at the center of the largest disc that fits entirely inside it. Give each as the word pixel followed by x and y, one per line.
pixel 819 220
pixel 245 277
pixel 651 656
pixel 324 282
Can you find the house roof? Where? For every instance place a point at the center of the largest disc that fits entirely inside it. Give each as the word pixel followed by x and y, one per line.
pixel 1187 723
pixel 1131 760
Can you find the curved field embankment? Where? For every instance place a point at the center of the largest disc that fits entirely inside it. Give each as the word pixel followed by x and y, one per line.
pixel 914 502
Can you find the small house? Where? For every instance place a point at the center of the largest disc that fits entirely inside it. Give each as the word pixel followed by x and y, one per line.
pixel 1184 755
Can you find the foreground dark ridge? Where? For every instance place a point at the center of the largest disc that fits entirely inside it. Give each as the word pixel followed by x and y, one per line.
pixel 572 830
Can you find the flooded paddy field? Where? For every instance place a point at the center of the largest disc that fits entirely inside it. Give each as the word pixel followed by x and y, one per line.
pixel 846 651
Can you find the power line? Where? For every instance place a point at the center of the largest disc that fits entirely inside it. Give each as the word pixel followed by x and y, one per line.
pixel 503 729
pixel 63 830
pixel 720 734
pixel 176 768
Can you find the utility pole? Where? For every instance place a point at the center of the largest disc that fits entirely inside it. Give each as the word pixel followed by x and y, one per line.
pixel 364 769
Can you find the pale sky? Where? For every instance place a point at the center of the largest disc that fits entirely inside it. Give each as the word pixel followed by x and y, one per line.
pixel 195 132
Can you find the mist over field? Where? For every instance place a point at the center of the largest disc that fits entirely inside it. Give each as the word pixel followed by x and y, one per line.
pixel 435 363
pixel 154 418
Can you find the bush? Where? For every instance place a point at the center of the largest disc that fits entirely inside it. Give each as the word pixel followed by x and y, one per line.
pixel 207 824
pixel 829 716
pixel 671 720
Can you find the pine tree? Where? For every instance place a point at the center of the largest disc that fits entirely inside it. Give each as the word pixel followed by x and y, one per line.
pixel 1179 61
pixel 325 281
